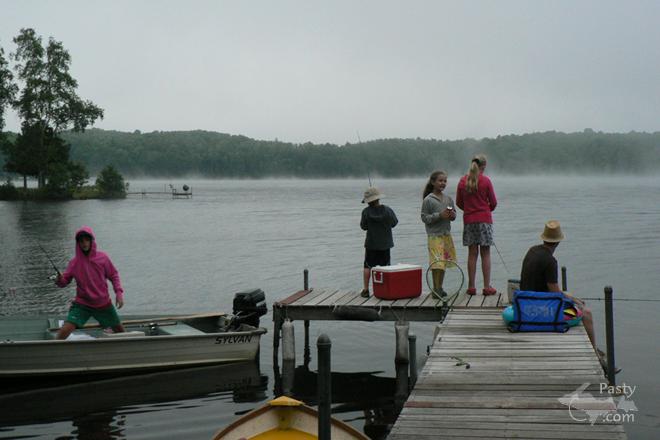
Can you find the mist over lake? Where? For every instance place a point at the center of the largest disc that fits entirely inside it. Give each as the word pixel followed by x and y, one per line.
pixel 192 255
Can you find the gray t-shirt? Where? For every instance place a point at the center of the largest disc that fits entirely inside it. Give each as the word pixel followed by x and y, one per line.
pixel 432 207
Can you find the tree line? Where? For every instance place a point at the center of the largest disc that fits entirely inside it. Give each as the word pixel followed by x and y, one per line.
pixel 218 155
pixel 55 146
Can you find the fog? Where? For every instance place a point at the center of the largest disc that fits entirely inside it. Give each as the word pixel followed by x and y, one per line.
pixel 321 72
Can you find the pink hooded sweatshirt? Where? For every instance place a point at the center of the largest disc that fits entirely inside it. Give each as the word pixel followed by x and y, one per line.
pixel 91 272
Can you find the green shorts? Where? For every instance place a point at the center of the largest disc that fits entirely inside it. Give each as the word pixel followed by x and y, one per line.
pixel 79 315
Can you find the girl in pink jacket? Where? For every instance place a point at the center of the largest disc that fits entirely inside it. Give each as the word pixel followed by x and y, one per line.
pixel 91 269
pixel 476 197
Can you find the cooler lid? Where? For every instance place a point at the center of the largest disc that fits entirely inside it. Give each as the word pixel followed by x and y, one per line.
pixel 397 267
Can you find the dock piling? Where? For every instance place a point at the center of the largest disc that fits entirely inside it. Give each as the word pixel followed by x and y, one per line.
pixel 288 341
pixel 412 349
pixel 307 354
pixel 401 329
pixel 609 335
pixel 323 346
pixel 288 376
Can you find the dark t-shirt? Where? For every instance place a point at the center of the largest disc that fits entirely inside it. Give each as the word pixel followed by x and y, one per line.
pixel 538 269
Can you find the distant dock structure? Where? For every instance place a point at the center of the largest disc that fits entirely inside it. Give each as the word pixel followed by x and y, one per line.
pixel 186 192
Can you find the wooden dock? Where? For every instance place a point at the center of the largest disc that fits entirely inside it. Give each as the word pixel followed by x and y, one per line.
pixel 338 305
pixel 482 382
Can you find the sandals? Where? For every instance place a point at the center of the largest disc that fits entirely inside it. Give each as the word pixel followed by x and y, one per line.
pixel 439 294
pixel 364 293
pixel 489 291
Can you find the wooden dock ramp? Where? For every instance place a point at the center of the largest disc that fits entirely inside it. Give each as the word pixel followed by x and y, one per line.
pixel 482 382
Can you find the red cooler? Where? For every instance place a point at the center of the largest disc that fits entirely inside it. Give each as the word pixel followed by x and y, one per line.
pixel 398 281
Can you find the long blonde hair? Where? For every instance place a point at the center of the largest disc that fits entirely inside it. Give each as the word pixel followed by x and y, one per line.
pixel 472 184
pixel 428 188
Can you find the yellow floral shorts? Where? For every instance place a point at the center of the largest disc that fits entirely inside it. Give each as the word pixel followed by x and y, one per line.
pixel 441 249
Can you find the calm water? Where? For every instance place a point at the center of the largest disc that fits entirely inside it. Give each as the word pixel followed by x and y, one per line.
pixel 181 256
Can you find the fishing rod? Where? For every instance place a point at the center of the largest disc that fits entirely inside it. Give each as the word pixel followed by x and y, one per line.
pixel 498 253
pixel 623 299
pixel 49 259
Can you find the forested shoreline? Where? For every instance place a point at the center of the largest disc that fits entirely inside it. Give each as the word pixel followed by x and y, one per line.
pixel 218 155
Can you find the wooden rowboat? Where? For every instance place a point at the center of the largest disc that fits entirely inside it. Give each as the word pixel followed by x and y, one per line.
pixel 285 418
pixel 28 347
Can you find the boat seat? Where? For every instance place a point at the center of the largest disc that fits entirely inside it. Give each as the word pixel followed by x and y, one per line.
pixel 123 334
pixel 179 329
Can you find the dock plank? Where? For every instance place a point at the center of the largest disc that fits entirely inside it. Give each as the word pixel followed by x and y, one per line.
pixel 512 388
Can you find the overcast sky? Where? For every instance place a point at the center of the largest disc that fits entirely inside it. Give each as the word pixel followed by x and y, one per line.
pixel 323 71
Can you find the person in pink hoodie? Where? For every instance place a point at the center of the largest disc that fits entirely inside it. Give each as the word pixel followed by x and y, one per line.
pixel 91 269
pixel 476 197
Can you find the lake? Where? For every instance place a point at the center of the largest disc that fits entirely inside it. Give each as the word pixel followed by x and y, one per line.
pixel 192 255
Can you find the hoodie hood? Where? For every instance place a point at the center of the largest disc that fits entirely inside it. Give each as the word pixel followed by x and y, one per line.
pixel 87 231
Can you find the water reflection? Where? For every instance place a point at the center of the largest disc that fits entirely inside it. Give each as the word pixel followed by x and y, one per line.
pixel 374 399
pixel 99 406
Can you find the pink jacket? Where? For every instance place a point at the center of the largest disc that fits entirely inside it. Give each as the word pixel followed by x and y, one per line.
pixel 477 207
pixel 91 272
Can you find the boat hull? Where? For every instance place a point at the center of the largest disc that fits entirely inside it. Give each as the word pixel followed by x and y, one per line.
pixel 136 353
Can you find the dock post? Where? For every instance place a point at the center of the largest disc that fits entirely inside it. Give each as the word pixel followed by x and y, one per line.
pixel 323 346
pixel 412 348
pixel 401 329
pixel 288 376
pixel 288 341
pixel 563 279
pixel 401 387
pixel 307 354
pixel 307 357
pixel 277 326
pixel 609 335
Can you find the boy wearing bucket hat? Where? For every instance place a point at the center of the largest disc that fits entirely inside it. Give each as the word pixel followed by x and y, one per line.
pixel 378 220
pixel 539 274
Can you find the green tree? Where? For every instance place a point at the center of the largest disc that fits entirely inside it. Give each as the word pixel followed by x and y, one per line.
pixel 7 93
pixel 47 103
pixel 7 88
pixel 78 175
pixel 110 183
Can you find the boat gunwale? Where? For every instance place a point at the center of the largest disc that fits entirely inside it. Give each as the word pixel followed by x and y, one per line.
pixel 9 342
pixel 339 424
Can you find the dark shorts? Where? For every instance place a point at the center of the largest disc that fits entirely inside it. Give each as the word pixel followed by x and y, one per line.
pixel 79 315
pixel 374 258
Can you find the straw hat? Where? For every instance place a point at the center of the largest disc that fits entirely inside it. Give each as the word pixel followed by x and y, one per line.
pixel 371 194
pixel 552 232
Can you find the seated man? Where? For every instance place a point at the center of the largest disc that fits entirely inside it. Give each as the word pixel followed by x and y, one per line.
pixel 539 274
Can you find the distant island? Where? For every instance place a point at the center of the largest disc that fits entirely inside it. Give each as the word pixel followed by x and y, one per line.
pixel 218 155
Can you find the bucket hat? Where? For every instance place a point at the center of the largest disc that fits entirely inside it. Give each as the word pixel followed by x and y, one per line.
pixel 372 193
pixel 552 232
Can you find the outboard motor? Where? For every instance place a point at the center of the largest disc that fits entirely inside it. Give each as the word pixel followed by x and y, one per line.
pixel 249 307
